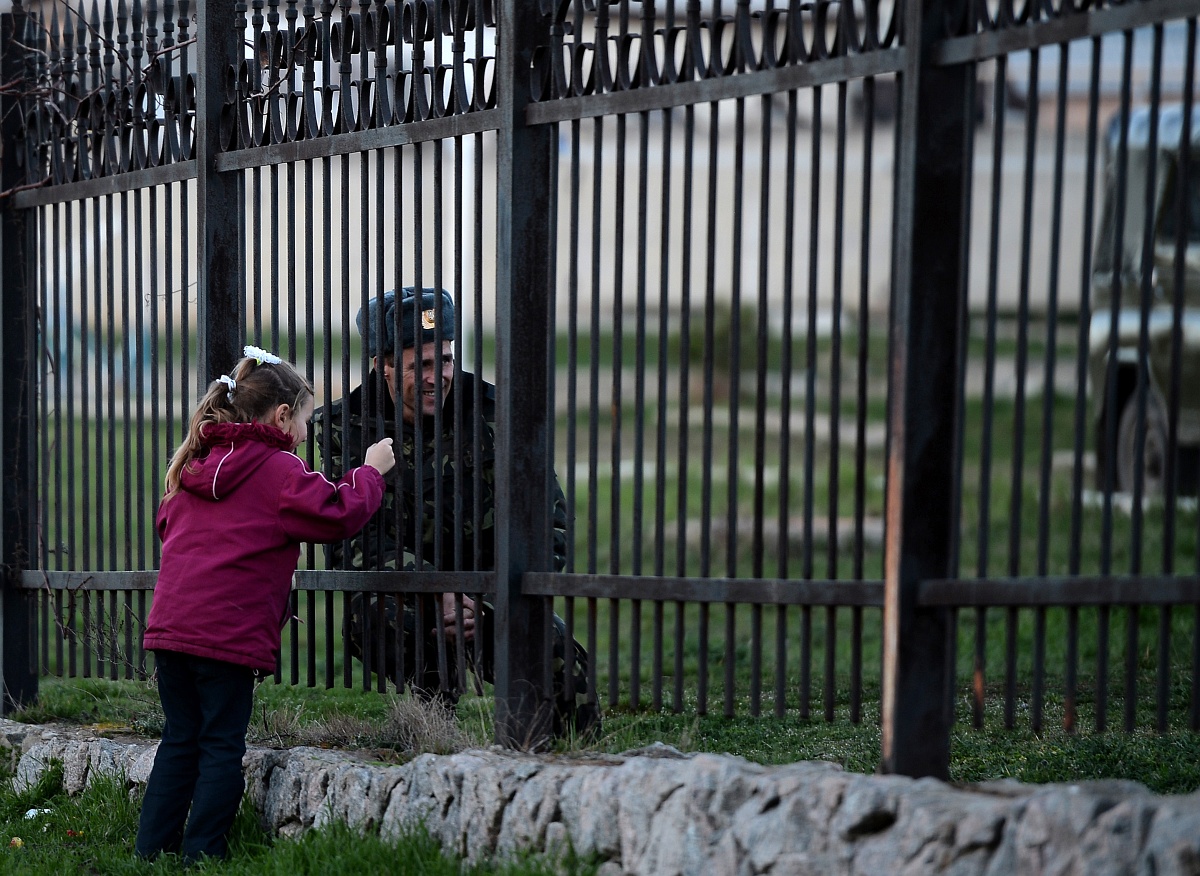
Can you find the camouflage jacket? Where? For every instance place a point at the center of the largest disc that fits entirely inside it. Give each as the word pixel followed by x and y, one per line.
pixel 442 488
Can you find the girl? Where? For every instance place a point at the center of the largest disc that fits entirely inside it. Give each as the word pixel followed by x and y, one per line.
pixel 238 502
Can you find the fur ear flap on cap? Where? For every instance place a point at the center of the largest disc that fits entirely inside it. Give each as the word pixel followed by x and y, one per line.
pixel 380 311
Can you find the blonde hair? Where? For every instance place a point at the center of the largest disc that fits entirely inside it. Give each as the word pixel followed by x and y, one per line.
pixel 259 389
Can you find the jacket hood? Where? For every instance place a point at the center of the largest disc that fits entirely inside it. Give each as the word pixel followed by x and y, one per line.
pixel 230 453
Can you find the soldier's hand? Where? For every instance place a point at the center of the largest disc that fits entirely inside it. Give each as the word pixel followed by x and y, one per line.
pixel 379 456
pixel 449 617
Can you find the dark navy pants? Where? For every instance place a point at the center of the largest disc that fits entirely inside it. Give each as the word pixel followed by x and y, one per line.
pixel 198 767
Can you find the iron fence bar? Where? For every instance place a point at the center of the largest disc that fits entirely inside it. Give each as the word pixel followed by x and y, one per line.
pixel 351 142
pixel 717 88
pixel 373 652
pixel 255 292
pixel 856 663
pixel 660 433
pixel 343 165
pixel 186 380
pixel 94 636
pixel 758 549
pixel 85 395
pixel 1145 304
pixel 979 670
pixel 1074 558
pixel 18 361
pixel 967 195
pixel 983 525
pixel 139 382
pixel 156 455
pixel 457 414
pixel 593 506
pixel 702 681
pixel 1049 384
pixel 1003 41
pixel 728 677
pixel 706 453
pixel 735 372
pixel 110 324
pixel 1011 621
pixel 41 450
pixel 1017 482
pixel 88 189
pixel 616 405
pixel 477 511
pixel 683 444
pixel 805 661
pixel 785 367
pixel 862 359
pixel 735 591
pixel 1079 591
pixel 169 324
pixel 524 196
pixel 1163 687
pixel 221 200
pixel 1020 401
pixel 1175 369
pixel 639 406
pixel 1185 170
pixel 63 547
pixel 810 345
pixel 808 501
pixel 1131 665
pixel 294 280
pixel 1071 673
pixel 835 351
pixel 1103 622
pixel 1049 388
pixel 924 328
pixel 1116 284
pixel 18 447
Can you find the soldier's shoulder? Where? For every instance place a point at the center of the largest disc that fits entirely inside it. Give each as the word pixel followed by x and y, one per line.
pixel 333 409
pixel 487 390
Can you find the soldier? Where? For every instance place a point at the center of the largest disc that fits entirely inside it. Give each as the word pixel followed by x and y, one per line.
pixel 453 509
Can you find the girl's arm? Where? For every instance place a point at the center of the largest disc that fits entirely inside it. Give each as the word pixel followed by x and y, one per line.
pixel 314 508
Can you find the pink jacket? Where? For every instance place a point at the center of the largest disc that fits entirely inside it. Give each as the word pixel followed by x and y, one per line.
pixel 231 538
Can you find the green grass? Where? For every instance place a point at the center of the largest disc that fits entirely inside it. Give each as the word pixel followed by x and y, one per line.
pixel 1166 762
pixel 93 832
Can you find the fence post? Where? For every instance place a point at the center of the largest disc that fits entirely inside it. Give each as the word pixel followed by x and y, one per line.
pixel 926 324
pixel 18 268
pixel 221 196
pixel 523 322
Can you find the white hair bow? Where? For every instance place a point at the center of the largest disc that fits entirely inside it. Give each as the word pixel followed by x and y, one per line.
pixel 259 355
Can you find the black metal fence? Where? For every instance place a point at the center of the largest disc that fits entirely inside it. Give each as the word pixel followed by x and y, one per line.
pixel 865 376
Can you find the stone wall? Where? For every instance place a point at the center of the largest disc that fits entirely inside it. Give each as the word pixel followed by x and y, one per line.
pixel 657 812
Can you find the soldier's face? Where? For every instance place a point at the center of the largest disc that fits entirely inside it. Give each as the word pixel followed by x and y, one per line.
pixel 437 365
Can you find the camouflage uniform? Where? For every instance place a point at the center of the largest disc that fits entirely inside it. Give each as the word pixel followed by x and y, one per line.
pixel 457 529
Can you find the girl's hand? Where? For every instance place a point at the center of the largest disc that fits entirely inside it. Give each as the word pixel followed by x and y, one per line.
pixel 380 457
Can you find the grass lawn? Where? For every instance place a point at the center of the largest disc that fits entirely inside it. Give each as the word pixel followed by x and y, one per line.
pixel 44 832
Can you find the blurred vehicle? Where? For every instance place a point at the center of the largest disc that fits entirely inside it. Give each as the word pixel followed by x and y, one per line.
pixel 1118 269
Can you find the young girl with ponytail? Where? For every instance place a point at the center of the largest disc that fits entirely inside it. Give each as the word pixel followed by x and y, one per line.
pixel 237 505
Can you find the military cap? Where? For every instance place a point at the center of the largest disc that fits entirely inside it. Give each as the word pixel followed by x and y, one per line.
pixel 382 312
